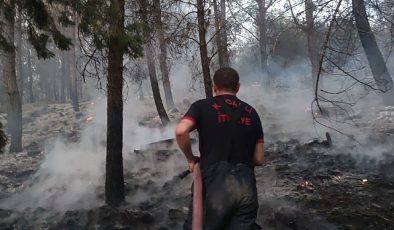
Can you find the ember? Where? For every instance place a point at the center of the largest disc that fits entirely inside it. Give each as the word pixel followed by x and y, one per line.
pixel 307 184
pixel 337 178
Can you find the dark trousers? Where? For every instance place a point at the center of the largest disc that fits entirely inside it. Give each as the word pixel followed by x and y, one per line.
pixel 229 198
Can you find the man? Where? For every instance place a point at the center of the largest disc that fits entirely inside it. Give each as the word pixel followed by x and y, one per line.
pixel 231 143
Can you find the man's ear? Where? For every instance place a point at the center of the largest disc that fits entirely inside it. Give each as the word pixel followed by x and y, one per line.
pixel 215 88
pixel 238 85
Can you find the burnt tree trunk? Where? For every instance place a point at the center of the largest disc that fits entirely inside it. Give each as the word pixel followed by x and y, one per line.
pixel 150 58
pixel 165 73
pixel 313 46
pixel 14 111
pixel 375 59
pixel 262 25
pixel 114 179
pixel 30 77
pixel 202 30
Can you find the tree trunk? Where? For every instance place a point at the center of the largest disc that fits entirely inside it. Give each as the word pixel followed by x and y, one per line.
pixel 262 25
pixel 30 77
pixel 73 73
pixel 163 56
pixel 20 54
pixel 313 46
pixel 376 62
pixel 203 48
pixel 63 77
pixel 114 180
pixel 150 58
pixel 221 34
pixel 55 89
pixel 67 61
pixel 14 111
pixel 155 85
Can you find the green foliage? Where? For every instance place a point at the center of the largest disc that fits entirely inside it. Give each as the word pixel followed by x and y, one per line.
pixel 3 139
pixel 95 19
pixel 41 24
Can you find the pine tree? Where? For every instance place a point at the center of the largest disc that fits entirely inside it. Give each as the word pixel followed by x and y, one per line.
pixel 103 23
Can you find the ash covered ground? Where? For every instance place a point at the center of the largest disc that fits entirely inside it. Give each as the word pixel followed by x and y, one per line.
pixel 307 183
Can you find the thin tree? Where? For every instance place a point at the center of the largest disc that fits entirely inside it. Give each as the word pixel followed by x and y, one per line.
pixel 221 32
pixel 262 25
pixel 202 31
pixel 150 58
pixel 312 36
pixel 165 73
pixel 73 69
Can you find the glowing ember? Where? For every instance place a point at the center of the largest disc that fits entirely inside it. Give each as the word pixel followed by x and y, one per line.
pixel 364 181
pixel 337 178
pixel 89 119
pixel 307 184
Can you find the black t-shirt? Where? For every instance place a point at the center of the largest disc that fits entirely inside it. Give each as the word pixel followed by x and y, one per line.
pixel 221 140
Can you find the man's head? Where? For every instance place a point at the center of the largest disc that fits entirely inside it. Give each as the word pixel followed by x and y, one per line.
pixel 226 79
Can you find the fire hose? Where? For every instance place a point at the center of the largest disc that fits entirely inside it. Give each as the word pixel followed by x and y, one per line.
pixel 197 221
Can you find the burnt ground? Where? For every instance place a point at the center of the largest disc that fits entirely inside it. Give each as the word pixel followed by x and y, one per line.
pixel 302 186
pixel 324 190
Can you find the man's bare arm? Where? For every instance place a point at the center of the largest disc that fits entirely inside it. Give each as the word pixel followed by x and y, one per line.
pixel 259 157
pixel 183 139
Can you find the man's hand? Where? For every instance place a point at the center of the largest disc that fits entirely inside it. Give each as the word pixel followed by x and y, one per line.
pixel 183 139
pixel 193 162
pixel 259 157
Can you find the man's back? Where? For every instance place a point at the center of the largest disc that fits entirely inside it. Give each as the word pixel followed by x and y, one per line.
pixel 219 139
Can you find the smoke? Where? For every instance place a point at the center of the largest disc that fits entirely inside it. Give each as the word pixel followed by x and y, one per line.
pixel 72 174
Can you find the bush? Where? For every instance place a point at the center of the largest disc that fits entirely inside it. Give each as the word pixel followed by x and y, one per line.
pixel 3 138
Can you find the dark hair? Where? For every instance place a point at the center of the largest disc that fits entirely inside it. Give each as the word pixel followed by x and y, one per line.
pixel 226 78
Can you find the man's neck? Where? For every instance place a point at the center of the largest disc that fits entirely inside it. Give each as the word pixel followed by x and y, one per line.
pixel 221 93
